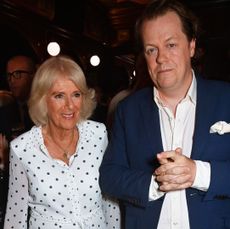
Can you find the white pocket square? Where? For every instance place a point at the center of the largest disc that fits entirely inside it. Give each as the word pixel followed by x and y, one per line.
pixel 220 127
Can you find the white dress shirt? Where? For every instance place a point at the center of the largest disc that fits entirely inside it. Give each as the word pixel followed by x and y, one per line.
pixel 177 131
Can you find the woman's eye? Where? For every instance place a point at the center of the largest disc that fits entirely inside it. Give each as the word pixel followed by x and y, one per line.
pixel 77 94
pixel 58 96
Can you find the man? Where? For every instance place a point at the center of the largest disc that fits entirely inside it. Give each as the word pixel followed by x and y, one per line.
pixel 165 160
pixel 13 115
pixel 20 71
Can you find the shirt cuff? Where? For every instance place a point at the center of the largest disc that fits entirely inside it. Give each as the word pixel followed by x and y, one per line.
pixel 203 175
pixel 154 192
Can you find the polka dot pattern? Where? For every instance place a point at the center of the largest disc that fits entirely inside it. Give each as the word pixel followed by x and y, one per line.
pixel 58 195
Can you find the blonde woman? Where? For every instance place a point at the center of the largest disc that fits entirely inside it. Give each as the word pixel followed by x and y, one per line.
pixel 54 166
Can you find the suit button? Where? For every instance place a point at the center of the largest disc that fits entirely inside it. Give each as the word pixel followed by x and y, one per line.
pixel 192 194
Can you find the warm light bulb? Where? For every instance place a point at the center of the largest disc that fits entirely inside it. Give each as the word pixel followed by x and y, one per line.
pixel 95 60
pixel 53 48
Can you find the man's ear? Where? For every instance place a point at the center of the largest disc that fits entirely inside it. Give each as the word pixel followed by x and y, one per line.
pixel 192 47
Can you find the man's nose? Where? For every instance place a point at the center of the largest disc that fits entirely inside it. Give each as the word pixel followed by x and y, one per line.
pixel 162 56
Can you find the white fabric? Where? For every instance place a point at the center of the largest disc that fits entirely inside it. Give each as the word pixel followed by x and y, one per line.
pixel 220 127
pixel 178 132
pixel 203 175
pixel 59 196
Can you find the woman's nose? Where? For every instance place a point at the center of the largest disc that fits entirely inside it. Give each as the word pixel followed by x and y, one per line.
pixel 69 102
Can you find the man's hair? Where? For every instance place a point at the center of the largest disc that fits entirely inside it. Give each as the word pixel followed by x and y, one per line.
pixel 156 8
pixel 31 63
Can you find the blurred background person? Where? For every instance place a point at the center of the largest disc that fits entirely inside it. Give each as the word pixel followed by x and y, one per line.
pixel 8 113
pixel 20 71
pixel 134 83
pixel 14 117
pixel 3 176
pixel 8 119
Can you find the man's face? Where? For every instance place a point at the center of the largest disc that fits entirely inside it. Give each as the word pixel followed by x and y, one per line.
pixel 19 78
pixel 168 52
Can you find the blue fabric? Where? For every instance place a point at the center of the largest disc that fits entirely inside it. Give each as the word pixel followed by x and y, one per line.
pixel 130 158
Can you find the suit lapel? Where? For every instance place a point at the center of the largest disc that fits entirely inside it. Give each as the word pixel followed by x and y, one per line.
pixel 151 122
pixel 150 117
pixel 203 120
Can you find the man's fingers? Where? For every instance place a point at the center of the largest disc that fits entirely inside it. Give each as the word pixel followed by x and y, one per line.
pixel 166 187
pixel 169 156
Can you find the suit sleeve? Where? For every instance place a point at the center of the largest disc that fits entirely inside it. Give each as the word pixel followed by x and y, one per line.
pixel 219 186
pixel 117 177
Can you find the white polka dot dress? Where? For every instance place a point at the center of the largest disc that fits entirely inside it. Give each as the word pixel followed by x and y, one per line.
pixel 56 195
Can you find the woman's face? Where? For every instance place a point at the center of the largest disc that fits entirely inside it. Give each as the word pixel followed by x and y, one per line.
pixel 64 102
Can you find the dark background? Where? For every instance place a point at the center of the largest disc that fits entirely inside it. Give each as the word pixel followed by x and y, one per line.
pixel 103 27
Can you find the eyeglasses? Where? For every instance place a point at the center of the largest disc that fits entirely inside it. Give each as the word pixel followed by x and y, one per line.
pixel 16 74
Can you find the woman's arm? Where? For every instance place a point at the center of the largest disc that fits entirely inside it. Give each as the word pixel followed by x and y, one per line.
pixel 17 203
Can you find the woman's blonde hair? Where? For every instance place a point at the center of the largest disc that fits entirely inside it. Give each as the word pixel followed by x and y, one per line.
pixel 48 72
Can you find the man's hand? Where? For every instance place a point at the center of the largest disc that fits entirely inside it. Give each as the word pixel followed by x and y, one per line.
pixel 176 171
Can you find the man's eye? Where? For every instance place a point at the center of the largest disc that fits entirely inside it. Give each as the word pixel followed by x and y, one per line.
pixel 17 73
pixel 151 51
pixel 171 45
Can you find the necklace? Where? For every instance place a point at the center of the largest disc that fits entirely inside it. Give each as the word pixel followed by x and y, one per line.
pixel 66 154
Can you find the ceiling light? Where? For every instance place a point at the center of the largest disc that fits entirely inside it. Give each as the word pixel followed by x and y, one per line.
pixel 53 48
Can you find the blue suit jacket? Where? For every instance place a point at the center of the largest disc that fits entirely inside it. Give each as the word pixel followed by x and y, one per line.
pixel 130 158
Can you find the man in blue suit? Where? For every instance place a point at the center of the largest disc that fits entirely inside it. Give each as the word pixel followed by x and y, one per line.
pixel 166 161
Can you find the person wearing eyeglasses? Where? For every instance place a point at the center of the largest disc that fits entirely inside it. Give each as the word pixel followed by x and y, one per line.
pixel 20 71
pixel 14 117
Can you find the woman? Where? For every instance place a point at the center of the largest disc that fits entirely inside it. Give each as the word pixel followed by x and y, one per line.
pixel 54 166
